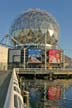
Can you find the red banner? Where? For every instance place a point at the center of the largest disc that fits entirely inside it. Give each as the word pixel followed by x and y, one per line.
pixel 55 56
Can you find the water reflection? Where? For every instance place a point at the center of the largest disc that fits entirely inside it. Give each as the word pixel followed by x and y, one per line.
pixel 59 93
pixel 67 101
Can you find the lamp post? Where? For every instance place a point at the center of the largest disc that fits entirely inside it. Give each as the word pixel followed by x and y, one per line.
pixel 24 57
pixel 45 52
pixel 45 85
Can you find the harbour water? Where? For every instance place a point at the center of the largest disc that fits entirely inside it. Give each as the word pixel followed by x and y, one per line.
pixel 66 102
pixel 60 93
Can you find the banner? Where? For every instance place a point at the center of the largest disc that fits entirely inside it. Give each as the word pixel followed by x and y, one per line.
pixel 34 56
pixel 14 56
pixel 55 56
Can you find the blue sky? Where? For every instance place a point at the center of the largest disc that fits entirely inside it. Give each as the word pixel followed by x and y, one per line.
pixel 61 9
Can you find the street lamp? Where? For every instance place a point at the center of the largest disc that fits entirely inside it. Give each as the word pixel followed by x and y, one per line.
pixel 45 52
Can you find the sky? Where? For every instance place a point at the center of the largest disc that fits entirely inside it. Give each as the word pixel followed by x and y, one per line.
pixel 60 9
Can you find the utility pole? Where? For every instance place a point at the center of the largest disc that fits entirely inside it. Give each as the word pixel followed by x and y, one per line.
pixel 45 52
pixel 24 57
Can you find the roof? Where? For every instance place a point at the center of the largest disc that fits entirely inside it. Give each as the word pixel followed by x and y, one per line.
pixel 68 61
pixel 4 84
pixel 34 19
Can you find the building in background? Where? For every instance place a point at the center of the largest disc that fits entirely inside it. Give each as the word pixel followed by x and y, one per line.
pixel 38 61
pixel 3 57
pixel 33 26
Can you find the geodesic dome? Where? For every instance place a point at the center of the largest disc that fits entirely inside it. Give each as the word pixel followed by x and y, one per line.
pixel 33 26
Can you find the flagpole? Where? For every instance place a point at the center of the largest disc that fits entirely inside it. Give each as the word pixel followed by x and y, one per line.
pixel 45 52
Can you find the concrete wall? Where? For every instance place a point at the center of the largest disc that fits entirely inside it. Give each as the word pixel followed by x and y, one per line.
pixel 3 57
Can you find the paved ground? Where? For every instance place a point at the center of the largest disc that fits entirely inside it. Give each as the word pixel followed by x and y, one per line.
pixel 4 83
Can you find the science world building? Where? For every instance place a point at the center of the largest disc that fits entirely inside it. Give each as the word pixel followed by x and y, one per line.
pixel 34 71
pixel 33 26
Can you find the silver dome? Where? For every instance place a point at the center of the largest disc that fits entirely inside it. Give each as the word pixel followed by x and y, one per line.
pixel 33 26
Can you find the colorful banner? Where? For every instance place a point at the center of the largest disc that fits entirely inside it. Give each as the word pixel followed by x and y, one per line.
pixel 55 56
pixel 34 56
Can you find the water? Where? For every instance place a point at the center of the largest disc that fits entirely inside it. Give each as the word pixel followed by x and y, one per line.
pixel 66 95
pixel 35 97
pixel 67 101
